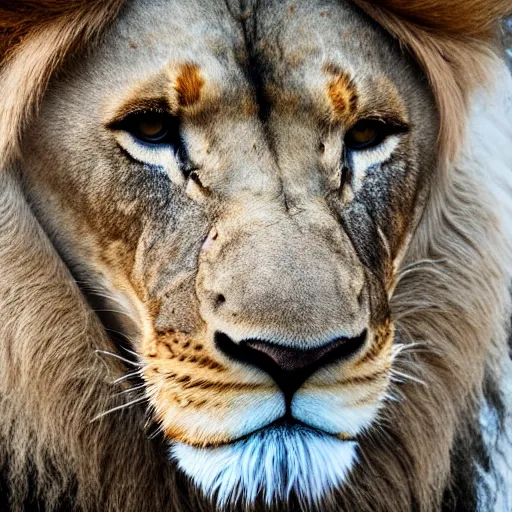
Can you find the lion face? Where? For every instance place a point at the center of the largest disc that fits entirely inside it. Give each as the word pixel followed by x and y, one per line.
pixel 242 186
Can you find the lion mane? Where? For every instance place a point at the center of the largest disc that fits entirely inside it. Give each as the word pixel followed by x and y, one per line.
pixel 443 443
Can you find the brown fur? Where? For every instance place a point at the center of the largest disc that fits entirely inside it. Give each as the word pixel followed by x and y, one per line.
pixel 342 93
pixel 188 84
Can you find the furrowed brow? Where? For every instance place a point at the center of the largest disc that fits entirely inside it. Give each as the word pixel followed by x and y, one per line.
pixel 350 102
pixel 175 90
pixel 384 102
pixel 147 96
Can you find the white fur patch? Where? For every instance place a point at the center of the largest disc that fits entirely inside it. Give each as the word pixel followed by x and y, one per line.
pixel 495 486
pixel 161 158
pixel 361 161
pixel 335 411
pixel 272 463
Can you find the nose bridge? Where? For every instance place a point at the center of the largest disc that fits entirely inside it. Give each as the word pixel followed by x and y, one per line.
pixel 264 274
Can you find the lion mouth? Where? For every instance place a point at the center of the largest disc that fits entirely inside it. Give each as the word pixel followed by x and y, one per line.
pixel 284 425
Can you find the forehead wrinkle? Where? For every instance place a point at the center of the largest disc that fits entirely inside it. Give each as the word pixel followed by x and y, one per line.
pixel 323 62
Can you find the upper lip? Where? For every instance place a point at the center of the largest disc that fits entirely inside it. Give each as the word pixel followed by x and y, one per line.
pixel 289 381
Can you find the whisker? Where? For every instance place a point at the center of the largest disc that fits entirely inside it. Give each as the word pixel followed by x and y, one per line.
pixel 128 376
pixel 401 349
pixel 129 390
pixel 151 428
pixel 154 434
pixel 119 408
pixel 117 356
pixel 391 397
pixel 131 352
pixel 406 377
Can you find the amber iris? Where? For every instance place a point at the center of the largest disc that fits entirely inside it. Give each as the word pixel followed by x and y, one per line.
pixel 152 128
pixel 365 134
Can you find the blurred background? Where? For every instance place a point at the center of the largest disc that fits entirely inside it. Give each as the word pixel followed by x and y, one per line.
pixel 507 38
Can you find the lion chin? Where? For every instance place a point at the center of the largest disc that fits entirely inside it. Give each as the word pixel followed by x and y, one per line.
pixel 271 464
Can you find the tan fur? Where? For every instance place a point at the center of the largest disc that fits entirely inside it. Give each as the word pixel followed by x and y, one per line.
pixel 454 313
pixel 34 41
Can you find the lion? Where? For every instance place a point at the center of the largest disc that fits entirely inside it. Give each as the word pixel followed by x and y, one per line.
pixel 255 255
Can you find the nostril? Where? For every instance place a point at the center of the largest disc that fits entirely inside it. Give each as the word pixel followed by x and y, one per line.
pixel 292 359
pixel 220 299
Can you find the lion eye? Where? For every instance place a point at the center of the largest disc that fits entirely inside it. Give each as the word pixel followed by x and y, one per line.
pixel 153 128
pixel 366 134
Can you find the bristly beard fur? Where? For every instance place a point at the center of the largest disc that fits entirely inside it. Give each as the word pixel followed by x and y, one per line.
pixel 271 464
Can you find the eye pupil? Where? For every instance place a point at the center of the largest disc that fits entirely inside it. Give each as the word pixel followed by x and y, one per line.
pixel 365 134
pixel 152 128
pixel 158 129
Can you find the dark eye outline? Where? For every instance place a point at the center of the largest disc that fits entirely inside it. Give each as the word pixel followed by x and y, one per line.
pixel 170 135
pixel 383 130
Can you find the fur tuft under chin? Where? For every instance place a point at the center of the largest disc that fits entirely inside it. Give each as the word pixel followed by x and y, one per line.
pixel 271 465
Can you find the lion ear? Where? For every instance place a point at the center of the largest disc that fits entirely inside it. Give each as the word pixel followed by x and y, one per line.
pixel 454 41
pixel 35 39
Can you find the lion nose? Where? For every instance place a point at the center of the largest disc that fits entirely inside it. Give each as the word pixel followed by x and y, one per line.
pixel 289 366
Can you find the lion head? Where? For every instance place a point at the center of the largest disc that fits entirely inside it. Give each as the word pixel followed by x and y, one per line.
pixel 268 233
